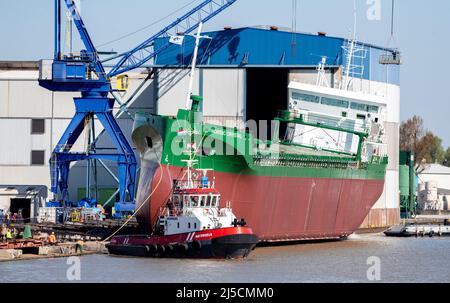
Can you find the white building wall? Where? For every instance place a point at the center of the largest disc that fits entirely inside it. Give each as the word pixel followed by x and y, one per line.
pixel 442 181
pixel 223 91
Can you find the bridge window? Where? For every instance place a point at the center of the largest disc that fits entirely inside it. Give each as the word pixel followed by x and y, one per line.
pixel 305 97
pixel 335 102
pixel 208 201
pixel 364 107
pixel 373 109
pixel 189 225
pixel 213 203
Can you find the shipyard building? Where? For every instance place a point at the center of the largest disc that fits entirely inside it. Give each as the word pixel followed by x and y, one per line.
pixel 243 74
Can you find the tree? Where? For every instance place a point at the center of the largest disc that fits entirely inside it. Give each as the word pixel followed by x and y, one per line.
pixel 411 131
pixel 429 149
pixel 447 157
pixel 426 147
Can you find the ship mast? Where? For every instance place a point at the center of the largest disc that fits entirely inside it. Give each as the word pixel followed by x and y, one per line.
pixel 190 145
pixel 353 51
pixel 194 64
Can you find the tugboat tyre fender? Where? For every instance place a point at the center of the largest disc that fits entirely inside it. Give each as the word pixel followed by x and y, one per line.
pixel 153 248
pixel 197 245
pixel 183 247
pixel 168 248
pixel 161 248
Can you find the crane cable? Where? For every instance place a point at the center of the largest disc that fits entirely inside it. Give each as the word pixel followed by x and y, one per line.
pixel 294 26
pixel 147 26
pixel 392 37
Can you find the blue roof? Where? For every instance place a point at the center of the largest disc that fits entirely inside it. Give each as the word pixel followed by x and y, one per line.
pixel 256 47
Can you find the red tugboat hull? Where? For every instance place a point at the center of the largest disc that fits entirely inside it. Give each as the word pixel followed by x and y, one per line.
pixel 222 243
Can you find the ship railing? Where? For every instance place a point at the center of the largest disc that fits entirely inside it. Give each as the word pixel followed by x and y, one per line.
pixel 304 162
pixel 375 152
pixel 165 211
pixel 184 184
pixel 315 118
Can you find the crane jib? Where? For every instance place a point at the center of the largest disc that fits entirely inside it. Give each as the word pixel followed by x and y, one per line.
pixel 185 24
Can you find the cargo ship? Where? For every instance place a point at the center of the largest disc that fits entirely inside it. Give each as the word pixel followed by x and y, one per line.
pixel 316 178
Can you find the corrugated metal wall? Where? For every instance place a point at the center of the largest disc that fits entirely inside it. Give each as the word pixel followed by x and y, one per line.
pixel 21 100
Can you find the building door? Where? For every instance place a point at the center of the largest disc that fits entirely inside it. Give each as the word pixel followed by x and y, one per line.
pixel 267 93
pixel 21 204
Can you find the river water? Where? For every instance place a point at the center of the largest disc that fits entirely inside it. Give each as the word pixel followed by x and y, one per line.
pixel 399 259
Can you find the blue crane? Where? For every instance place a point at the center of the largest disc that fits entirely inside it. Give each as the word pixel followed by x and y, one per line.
pixel 86 74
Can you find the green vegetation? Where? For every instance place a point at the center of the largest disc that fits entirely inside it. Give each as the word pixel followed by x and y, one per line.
pixel 427 147
pixel 447 157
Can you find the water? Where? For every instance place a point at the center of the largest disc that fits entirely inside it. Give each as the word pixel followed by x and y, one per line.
pixel 402 260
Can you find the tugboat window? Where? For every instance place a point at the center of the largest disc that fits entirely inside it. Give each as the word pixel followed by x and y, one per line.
pixel 208 201
pixel 195 201
pixel 189 225
pixel 202 201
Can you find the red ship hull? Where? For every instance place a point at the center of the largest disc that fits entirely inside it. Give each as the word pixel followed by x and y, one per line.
pixel 278 208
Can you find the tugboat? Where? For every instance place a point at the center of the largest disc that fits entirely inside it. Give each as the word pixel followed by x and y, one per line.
pixel 191 225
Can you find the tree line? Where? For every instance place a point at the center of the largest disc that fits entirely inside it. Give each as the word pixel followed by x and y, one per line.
pixel 426 146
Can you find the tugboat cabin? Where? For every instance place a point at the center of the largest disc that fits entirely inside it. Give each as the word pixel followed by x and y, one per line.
pixel 194 206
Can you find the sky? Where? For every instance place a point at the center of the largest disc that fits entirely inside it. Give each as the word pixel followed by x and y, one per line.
pixel 421 32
